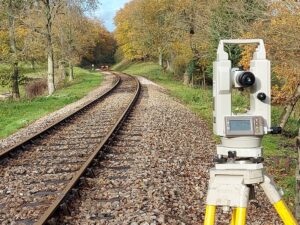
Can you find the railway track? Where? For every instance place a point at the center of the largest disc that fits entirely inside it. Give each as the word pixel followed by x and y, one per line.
pixel 39 175
pixel 101 197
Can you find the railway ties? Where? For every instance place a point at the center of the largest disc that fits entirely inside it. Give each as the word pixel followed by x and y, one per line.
pixel 40 177
pixel 102 196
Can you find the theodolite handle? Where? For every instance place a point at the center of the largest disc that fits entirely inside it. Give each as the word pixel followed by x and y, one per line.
pixel 243 41
pixel 259 54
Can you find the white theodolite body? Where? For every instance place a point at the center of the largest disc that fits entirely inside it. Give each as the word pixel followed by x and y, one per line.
pixel 223 82
pixel 239 162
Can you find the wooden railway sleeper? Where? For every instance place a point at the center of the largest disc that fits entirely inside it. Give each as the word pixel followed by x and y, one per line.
pixel 52 221
pixel 96 161
pixel 75 193
pixel 64 208
pixel 101 154
pixel 82 181
pixel 90 173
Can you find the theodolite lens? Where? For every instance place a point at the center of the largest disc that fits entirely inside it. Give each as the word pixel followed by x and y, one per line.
pixel 246 79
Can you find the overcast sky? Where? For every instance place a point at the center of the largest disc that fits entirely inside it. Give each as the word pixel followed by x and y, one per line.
pixel 107 10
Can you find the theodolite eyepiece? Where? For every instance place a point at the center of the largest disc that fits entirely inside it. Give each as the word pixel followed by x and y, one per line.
pixel 241 78
pixel 246 79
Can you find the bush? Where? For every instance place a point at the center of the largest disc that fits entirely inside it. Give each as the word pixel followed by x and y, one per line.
pixel 36 88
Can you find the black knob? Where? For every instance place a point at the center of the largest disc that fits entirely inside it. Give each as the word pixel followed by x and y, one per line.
pixel 232 154
pixel 276 130
pixel 261 96
pixel 246 79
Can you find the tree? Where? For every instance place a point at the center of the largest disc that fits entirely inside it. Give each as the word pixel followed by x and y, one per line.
pixel 40 18
pixel 12 37
pixel 74 33
pixel 183 34
pixel 281 31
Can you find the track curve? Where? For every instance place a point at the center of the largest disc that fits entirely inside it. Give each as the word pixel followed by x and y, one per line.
pixel 36 179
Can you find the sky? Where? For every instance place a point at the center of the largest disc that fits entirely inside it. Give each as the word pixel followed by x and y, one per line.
pixel 107 11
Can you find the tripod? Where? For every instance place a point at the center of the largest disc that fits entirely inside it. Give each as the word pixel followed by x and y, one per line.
pixel 239 158
pixel 232 187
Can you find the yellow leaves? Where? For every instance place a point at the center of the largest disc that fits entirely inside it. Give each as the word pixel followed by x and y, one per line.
pixel 20 35
pixel 4 48
pixel 287 75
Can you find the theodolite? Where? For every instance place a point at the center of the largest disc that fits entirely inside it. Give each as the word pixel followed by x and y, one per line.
pixel 239 162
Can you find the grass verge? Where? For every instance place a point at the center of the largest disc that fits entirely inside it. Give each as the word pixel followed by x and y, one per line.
pixel 280 152
pixel 17 114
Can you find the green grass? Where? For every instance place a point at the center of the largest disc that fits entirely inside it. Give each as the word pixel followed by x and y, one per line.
pixel 276 147
pixel 17 114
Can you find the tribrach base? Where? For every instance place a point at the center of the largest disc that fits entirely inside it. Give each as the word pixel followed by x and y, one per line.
pixel 231 188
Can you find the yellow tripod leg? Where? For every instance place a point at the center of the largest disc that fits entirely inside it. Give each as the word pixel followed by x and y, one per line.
pixel 233 218
pixel 241 214
pixel 210 214
pixel 284 213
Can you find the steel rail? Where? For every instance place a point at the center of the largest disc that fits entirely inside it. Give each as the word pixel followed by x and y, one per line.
pixel 30 138
pixel 55 205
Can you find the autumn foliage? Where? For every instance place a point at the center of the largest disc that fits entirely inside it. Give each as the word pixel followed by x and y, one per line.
pixel 182 36
pixel 60 33
pixel 281 34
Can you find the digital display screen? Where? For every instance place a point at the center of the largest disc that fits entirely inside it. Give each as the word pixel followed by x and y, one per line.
pixel 240 125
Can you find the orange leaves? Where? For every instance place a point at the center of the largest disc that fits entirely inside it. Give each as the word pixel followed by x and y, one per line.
pixel 288 77
pixel 247 55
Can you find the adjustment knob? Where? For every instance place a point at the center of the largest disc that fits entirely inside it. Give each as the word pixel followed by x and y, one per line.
pixel 261 96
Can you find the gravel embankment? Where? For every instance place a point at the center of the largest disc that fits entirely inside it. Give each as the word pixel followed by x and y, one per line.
pixel 156 171
pixel 47 120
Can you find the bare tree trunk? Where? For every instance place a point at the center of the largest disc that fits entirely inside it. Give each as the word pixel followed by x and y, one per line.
pixel 51 86
pixel 71 71
pixel 33 64
pixel 12 40
pixel 186 79
pixel 290 107
pixel 160 58
pixel 15 82
pixel 204 78
pixel 169 66
pixel 62 70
